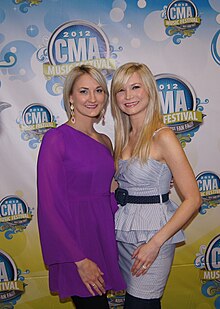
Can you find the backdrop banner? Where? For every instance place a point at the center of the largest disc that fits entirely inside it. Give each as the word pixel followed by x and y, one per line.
pixel 40 42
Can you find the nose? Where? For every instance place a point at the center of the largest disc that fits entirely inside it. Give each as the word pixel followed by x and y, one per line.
pixel 92 96
pixel 128 94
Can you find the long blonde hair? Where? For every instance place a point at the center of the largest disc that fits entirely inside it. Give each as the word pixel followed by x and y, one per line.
pixel 153 118
pixel 73 75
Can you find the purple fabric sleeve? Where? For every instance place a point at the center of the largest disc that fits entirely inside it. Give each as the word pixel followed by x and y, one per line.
pixel 54 218
pixel 114 204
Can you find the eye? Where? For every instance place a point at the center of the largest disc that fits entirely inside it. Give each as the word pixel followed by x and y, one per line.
pixel 100 90
pixel 136 87
pixel 83 91
pixel 121 90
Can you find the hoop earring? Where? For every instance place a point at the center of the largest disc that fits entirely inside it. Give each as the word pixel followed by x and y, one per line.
pixel 72 113
pixel 103 117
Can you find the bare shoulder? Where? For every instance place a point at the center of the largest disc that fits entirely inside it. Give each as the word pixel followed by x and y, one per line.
pixel 106 141
pixel 167 143
pixel 164 134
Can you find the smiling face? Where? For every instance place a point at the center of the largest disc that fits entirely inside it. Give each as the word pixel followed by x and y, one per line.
pixel 87 96
pixel 133 97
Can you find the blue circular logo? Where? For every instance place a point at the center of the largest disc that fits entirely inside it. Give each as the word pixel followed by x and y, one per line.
pixel 212 254
pixel 9 276
pixel 37 117
pixel 77 41
pixel 176 94
pixel 178 103
pixel 9 269
pixel 182 10
pixel 13 207
pixel 209 185
pixel 215 47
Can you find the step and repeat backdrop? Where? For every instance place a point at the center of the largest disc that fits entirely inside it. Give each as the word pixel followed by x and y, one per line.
pixel 40 42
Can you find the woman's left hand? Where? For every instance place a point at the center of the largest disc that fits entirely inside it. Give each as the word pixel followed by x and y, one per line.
pixel 144 257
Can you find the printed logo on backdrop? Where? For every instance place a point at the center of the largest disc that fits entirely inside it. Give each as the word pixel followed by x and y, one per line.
pixel 25 4
pixel 75 43
pixel 209 187
pixel 215 47
pixel 15 215
pixel 34 121
pixel 72 44
pixel 208 261
pixel 181 19
pixel 181 109
pixel 9 60
pixel 12 284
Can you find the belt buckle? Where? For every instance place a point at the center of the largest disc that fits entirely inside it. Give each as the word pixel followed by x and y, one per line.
pixel 121 196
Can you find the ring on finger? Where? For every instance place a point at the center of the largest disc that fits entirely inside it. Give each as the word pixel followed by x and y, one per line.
pixel 93 285
pixel 144 267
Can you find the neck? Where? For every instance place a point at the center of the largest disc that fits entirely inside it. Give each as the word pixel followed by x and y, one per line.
pixel 136 124
pixel 83 126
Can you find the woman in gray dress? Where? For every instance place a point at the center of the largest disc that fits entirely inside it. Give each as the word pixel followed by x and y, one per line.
pixel 147 156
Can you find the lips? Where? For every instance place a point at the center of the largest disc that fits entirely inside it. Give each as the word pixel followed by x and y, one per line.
pixel 91 106
pixel 131 104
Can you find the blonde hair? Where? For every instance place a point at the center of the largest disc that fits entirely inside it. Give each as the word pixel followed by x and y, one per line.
pixel 73 75
pixel 153 118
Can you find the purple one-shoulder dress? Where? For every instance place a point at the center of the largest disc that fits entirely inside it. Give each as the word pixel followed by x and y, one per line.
pixel 76 209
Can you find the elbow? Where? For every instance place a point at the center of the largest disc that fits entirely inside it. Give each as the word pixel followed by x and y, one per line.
pixel 197 201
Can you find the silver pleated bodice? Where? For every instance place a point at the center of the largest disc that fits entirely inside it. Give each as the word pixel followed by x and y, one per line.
pixel 139 222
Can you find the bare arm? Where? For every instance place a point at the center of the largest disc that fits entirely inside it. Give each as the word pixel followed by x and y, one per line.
pixel 171 152
pixel 184 178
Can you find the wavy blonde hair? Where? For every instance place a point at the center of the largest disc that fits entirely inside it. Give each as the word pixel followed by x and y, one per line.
pixel 153 118
pixel 73 75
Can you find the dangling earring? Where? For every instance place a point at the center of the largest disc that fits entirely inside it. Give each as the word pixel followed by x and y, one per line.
pixel 103 117
pixel 72 113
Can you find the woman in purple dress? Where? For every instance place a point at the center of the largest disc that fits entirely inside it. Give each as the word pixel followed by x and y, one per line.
pixel 75 206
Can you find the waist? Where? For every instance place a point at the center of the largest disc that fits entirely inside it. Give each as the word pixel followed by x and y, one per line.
pixel 123 197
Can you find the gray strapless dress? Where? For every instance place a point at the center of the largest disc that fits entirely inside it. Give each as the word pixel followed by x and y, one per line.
pixel 137 223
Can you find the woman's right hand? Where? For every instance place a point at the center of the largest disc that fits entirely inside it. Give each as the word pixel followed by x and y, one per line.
pixel 91 276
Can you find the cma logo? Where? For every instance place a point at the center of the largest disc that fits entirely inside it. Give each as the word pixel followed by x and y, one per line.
pixel 15 215
pixel 11 282
pixel 212 255
pixel 181 19
pixel 35 120
pixel 180 12
pixel 178 104
pixel 36 114
pixel 12 205
pixel 208 183
pixel 77 41
pixel 11 209
pixel 175 94
pixel 71 50
pixel 208 261
pixel 209 187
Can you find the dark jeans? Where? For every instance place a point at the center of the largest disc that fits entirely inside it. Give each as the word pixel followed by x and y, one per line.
pixel 132 302
pixel 93 302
